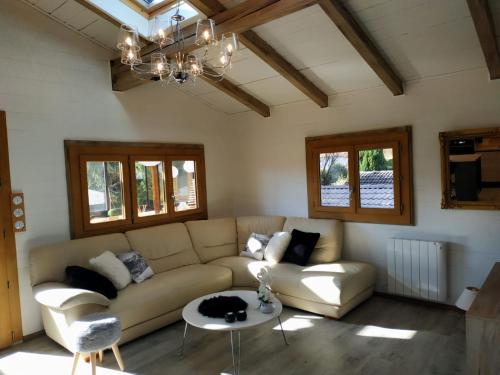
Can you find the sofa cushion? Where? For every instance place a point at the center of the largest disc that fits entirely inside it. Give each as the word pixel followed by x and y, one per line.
pixel 213 238
pixel 108 265
pixel 333 283
pixel 246 225
pixel 329 246
pixel 277 246
pixel 301 247
pixel 168 291
pixel 164 246
pixel 48 263
pixel 244 270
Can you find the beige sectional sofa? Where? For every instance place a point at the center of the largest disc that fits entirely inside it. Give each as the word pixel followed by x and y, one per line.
pixel 191 260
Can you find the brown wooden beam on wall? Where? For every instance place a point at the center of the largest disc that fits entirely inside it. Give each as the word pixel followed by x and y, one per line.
pixel 485 28
pixel 346 23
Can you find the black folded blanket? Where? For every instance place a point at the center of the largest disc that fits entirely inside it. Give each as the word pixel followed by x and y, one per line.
pixel 217 307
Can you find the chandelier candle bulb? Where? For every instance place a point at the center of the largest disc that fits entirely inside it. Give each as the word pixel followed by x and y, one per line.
pixel 128 39
pixel 205 32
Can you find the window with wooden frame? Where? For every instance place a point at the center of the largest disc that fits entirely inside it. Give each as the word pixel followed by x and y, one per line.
pixel 118 186
pixel 362 176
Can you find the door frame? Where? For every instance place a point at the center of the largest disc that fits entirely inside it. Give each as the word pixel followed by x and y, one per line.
pixel 7 234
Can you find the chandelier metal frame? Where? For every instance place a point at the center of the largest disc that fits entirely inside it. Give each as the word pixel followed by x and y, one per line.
pixel 182 66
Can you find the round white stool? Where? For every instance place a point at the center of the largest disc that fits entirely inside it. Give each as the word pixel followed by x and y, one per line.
pixel 93 334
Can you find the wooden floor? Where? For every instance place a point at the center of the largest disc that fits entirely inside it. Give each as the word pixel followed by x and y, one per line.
pixel 382 336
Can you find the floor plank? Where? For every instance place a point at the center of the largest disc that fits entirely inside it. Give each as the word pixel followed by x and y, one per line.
pixel 382 336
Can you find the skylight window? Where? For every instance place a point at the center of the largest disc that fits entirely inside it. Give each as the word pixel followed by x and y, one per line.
pixel 125 14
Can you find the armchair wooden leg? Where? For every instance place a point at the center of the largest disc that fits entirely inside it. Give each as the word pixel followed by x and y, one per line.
pixel 118 356
pixel 101 356
pixel 93 361
pixel 75 362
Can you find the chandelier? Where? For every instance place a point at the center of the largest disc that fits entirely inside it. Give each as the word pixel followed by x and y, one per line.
pixel 213 61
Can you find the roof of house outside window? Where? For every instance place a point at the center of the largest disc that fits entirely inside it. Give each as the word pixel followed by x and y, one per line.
pixel 377 191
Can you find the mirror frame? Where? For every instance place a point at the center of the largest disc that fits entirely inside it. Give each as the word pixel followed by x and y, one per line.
pixel 446 201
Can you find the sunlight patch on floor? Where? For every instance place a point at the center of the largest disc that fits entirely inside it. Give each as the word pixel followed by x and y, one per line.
pixel 298 322
pixel 24 363
pixel 386 333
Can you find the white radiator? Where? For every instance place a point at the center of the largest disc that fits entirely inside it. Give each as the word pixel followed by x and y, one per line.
pixel 417 269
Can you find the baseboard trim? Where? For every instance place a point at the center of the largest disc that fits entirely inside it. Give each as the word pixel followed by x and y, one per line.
pixel 419 301
pixel 34 335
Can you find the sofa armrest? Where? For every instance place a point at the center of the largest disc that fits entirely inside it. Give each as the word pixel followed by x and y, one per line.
pixel 61 296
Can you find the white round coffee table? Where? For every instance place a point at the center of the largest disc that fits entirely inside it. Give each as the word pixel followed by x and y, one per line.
pixel 255 318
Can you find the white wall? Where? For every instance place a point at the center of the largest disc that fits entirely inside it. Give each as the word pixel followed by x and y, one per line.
pixel 55 85
pixel 272 174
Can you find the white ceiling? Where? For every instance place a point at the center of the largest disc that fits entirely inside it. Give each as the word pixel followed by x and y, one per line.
pixel 420 38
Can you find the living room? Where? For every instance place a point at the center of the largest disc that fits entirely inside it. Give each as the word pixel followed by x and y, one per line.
pixel 370 128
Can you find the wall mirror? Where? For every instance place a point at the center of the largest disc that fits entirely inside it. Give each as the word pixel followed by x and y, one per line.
pixel 470 169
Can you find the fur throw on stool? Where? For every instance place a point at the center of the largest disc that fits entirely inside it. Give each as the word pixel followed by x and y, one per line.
pixel 217 307
pixel 95 332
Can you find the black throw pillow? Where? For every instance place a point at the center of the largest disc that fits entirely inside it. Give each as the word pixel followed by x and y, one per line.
pixel 82 278
pixel 300 248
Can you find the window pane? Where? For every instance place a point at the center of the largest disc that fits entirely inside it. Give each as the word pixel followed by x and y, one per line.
pixel 184 179
pixel 334 175
pixel 376 178
pixel 105 191
pixel 150 187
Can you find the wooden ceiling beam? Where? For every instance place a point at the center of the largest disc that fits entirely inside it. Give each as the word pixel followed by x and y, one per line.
pixel 485 28
pixel 126 80
pixel 255 43
pixel 346 23
pixel 237 93
pixel 268 54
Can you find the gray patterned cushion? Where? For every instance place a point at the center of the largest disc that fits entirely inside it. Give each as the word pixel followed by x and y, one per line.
pixel 137 266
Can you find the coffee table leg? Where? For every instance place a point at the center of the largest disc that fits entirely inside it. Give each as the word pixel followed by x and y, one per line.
pixel 282 332
pixel 236 355
pixel 184 338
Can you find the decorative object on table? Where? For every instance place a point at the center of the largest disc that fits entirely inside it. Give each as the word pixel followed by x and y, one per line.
pixel 467 297
pixel 256 246
pixel 18 213
pixel 277 246
pixel 183 65
pixel 264 291
pixel 82 278
pixel 107 264
pixel 93 334
pixel 301 247
pixel 241 316
pixel 217 307
pixel 230 317
pixel 136 264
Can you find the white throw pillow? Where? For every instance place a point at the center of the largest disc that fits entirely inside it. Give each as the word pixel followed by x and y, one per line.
pixel 277 246
pixel 108 265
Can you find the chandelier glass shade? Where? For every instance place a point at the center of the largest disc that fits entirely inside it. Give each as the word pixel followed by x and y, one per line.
pixel 171 61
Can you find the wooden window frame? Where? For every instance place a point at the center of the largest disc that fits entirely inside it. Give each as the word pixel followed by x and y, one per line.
pixel 78 152
pixel 198 171
pixel 123 159
pixel 135 208
pixel 399 139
